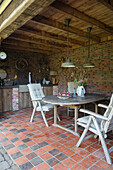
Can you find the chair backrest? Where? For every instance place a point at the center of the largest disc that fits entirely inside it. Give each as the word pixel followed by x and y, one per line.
pixel 106 126
pixel 36 92
pixel 71 86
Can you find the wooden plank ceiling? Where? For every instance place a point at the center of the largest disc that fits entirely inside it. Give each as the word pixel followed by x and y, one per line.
pixel 39 26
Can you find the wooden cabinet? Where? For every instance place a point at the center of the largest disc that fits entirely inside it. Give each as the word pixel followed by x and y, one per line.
pixel 19 98
pixel 24 100
pixel 5 100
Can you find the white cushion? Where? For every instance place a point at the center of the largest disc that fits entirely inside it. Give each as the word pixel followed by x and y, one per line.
pixel 85 119
pixel 45 107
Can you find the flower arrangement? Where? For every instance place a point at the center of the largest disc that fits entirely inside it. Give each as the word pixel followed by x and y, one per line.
pixel 63 93
pixel 80 78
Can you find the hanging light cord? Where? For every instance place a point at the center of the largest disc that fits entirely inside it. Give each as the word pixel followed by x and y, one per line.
pixel 89 30
pixel 67 21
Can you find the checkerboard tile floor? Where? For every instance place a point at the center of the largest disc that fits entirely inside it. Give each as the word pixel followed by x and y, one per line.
pixel 35 146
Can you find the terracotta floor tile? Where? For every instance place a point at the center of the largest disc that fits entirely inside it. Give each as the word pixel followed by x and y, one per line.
pixel 69 162
pixel 76 149
pixel 21 160
pixel 78 167
pixel 31 143
pixel 60 166
pixel 68 152
pixel 11 136
pixel 94 167
pixel 84 153
pixel 92 158
pixel 18 143
pixel 13 150
pixel 99 154
pixel 61 148
pixel 48 148
pixel 86 163
pixel 2 135
pixel 67 155
pixel 103 164
pixel 43 166
pixel 6 142
pixel 90 149
pixel 56 144
pixel 46 156
pixel 40 151
pixel 77 157
pixel 26 151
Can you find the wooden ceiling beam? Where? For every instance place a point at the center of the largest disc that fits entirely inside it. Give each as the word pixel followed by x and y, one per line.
pixel 37 41
pixel 107 3
pixel 29 44
pixel 82 16
pixel 50 36
pixel 58 25
pixel 25 48
pixel 18 13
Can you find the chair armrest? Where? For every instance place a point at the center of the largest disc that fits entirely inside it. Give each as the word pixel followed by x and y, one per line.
pixel 103 105
pixel 93 114
pixel 36 99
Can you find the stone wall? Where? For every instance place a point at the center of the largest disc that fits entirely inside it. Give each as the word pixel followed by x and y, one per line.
pixel 100 78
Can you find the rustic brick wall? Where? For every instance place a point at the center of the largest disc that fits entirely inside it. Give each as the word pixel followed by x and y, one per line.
pixel 100 78
pixel 37 65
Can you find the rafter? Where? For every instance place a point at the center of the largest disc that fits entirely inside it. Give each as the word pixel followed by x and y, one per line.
pixel 18 13
pixel 27 38
pixel 26 48
pixel 58 25
pixel 29 44
pixel 107 3
pixel 76 13
pixel 46 35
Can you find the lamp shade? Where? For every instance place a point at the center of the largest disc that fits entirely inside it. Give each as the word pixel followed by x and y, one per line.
pixel 53 73
pixel 68 63
pixel 89 64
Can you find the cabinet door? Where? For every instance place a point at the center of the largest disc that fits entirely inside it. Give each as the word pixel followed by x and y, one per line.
pixel 24 100
pixel 7 99
pixel 48 91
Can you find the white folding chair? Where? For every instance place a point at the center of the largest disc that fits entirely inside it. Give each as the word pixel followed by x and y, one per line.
pixel 37 94
pixel 99 125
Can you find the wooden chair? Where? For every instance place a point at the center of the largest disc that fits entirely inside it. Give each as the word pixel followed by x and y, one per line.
pixel 98 124
pixel 37 94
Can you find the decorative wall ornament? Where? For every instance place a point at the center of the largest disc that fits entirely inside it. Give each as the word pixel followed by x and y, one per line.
pixel 21 64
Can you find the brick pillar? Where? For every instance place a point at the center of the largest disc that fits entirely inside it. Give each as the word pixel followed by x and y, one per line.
pixel 15 99
pixel 55 90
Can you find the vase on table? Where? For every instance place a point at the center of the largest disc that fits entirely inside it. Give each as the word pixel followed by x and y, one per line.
pixel 81 91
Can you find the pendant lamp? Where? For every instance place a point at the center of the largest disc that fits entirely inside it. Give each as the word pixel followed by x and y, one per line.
pixel 68 63
pixel 89 64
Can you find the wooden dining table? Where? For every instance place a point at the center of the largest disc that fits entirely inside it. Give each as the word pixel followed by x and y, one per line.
pixel 72 102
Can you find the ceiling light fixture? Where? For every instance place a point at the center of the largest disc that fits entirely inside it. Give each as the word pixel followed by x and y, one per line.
pixel 68 63
pixel 89 64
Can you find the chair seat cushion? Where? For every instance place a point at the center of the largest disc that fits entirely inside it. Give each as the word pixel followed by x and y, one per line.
pixel 85 119
pixel 45 107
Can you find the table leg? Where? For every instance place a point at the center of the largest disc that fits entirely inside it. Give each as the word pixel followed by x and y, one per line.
pixel 76 116
pixel 55 114
pixel 96 108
